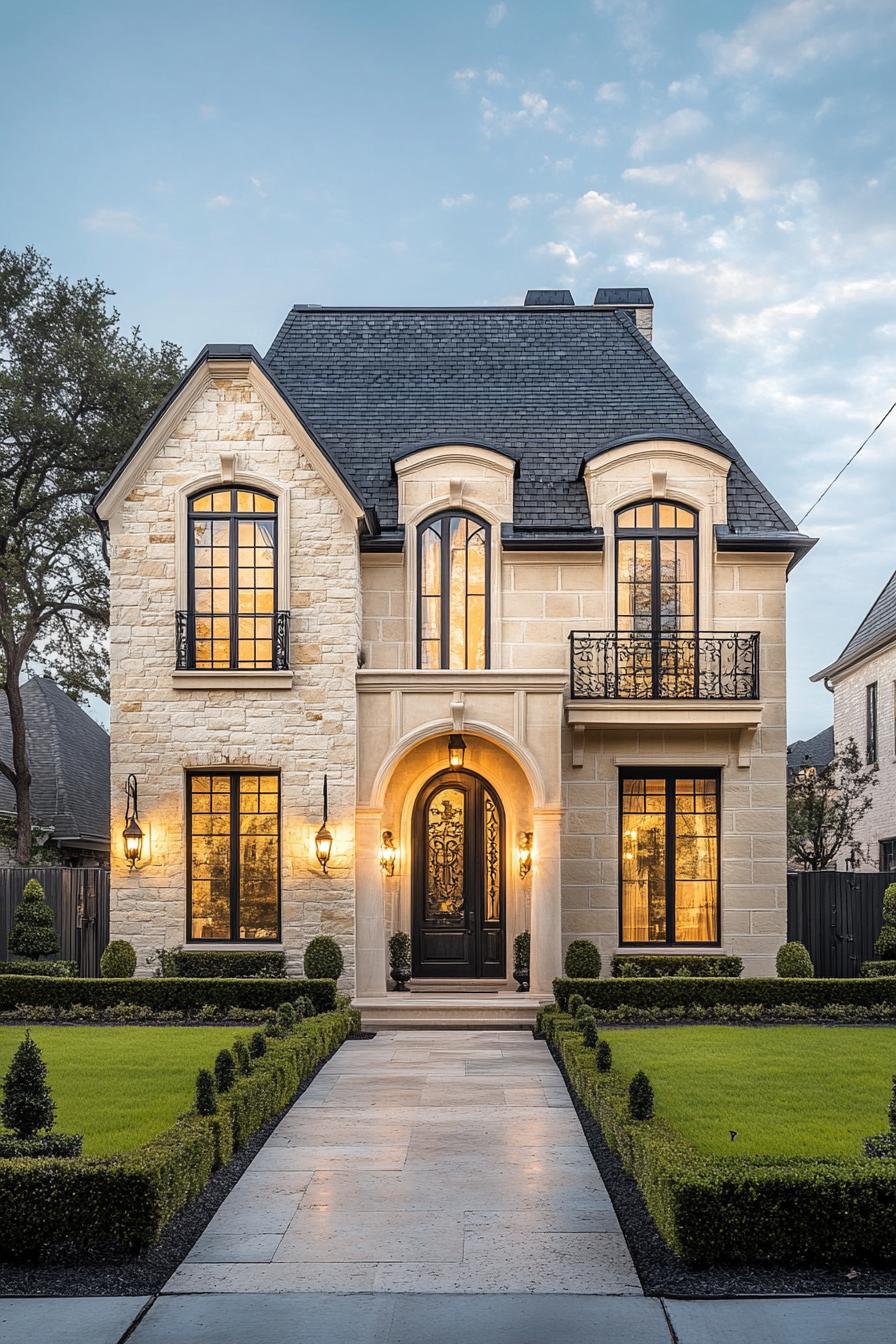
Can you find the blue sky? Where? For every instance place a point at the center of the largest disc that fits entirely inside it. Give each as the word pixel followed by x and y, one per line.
pixel 216 162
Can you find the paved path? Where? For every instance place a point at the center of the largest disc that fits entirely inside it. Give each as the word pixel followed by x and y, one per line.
pixel 421 1162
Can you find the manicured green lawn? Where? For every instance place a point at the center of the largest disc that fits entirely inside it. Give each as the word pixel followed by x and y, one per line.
pixel 118 1086
pixel 799 1090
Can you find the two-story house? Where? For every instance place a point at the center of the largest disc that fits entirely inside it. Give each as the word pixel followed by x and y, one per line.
pixel 498 577
pixel 863 682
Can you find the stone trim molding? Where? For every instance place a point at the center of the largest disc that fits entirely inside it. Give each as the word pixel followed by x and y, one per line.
pixel 248 679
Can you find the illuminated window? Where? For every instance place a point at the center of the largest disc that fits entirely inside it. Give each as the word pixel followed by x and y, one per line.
pixel 233 579
pixel 234 857
pixel 656 599
pixel 453 605
pixel 669 857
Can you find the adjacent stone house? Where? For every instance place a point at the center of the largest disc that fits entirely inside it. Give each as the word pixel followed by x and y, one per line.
pixel 863 683
pixel 498 578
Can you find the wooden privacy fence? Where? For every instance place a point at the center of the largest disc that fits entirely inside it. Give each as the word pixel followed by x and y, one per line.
pixel 78 897
pixel 837 916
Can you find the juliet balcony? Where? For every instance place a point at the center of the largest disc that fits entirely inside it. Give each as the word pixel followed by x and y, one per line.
pixel 232 650
pixel 664 681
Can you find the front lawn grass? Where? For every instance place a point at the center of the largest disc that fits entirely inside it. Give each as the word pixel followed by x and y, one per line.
pixel 119 1086
pixel 787 1091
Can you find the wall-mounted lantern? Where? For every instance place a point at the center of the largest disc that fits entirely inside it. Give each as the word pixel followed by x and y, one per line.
pixel 132 833
pixel 456 749
pixel 388 854
pixel 524 847
pixel 323 841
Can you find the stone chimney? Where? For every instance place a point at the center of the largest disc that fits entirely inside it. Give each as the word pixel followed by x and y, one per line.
pixel 638 303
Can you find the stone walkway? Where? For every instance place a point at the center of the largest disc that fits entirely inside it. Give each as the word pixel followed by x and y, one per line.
pixel 421 1162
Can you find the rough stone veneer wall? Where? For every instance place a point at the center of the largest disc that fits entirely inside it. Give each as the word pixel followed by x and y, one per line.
pixel 849 721
pixel 159 731
pixel 749 594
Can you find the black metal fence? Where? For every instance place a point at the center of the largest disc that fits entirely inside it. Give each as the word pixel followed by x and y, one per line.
pixel 617 665
pixel 78 897
pixel 837 916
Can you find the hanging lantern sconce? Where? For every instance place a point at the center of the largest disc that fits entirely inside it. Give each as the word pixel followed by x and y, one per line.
pixel 524 847
pixel 132 833
pixel 456 750
pixel 323 841
pixel 388 854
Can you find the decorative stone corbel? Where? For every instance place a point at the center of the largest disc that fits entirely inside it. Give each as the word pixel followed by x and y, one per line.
pixel 228 468
pixel 658 483
pixel 745 744
pixel 457 708
pixel 578 745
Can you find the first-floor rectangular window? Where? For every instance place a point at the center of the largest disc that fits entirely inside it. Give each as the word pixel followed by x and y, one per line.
pixel 887 855
pixel 669 856
pixel 233 856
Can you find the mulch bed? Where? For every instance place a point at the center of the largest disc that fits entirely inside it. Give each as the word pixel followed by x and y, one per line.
pixel 664 1274
pixel 145 1275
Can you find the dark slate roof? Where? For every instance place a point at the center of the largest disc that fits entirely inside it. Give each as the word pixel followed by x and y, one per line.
pixel 68 753
pixel 550 386
pixel 817 751
pixel 549 298
pixel 876 630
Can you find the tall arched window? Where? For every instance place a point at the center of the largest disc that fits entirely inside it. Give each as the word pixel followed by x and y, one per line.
pixel 656 598
pixel 232 619
pixel 453 592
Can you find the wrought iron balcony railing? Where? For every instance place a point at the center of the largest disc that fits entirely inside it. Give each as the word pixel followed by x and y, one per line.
pixel 229 643
pixel 612 665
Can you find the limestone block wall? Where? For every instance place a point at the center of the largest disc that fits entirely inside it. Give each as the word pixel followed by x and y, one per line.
pixel 849 721
pixel 159 730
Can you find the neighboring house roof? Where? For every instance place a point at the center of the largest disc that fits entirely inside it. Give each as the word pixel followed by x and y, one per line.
pixel 68 754
pixel 876 631
pixel 817 751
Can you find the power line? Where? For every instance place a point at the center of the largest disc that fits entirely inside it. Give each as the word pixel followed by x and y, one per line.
pixel 845 465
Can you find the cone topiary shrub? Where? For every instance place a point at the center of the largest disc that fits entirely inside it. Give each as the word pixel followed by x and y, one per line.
pixel 119 960
pixel 574 1004
pixel 794 963
pixel 589 1030
pixel 206 1098
pixel 582 961
pixel 304 1007
pixel 287 1018
pixel 257 1044
pixel 34 926
pixel 640 1097
pixel 603 1057
pixel 323 959
pixel 522 946
pixel 28 1105
pixel 241 1056
pixel 885 945
pixel 225 1070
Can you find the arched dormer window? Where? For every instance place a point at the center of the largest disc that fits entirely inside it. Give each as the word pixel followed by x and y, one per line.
pixel 656 599
pixel 232 621
pixel 453 591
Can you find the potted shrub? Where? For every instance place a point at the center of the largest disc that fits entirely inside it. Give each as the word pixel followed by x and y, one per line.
pixel 521 945
pixel 400 959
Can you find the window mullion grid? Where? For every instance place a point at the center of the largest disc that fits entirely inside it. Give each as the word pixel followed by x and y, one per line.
pixel 445 594
pixel 234 858
pixel 670 859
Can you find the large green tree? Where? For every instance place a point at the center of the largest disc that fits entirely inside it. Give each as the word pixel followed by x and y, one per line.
pixel 824 807
pixel 75 389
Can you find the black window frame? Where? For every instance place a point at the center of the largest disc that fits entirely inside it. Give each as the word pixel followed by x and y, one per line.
pixel 235 516
pixel 655 534
pixel 886 846
pixel 670 774
pixel 445 588
pixel 232 775
pixel 871 738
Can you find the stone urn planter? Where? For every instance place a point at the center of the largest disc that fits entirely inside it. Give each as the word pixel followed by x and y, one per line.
pixel 400 960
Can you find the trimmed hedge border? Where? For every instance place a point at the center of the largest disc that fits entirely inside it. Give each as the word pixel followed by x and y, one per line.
pixel 651 964
pixel 877 970
pixel 44 969
pixel 210 964
pixel 119 1205
pixel 708 992
pixel 165 995
pixel 713 1210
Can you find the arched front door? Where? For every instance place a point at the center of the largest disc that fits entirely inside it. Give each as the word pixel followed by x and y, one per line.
pixel 458 888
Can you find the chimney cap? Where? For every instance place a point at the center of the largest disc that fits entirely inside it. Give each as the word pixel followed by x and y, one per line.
pixel 623 298
pixel 549 298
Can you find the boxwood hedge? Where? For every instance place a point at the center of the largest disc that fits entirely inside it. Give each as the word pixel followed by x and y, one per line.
pixel 42 968
pixel 714 1210
pixel 209 963
pixel 653 964
pixel 677 991
pixel 164 995
pixel 119 1205
pixel 874 970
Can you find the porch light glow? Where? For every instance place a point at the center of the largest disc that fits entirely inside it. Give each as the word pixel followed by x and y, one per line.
pixel 323 840
pixel 132 834
pixel 456 748
pixel 524 847
pixel 388 854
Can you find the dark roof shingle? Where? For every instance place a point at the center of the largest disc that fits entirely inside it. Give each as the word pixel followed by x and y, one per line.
pixel 877 628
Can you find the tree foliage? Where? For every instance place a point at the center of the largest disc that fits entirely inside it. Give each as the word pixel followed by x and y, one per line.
pixel 75 390
pixel 824 808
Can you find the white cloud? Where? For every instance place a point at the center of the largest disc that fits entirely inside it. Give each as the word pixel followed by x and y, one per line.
pixel 257 186
pixel 692 87
pixel 464 78
pixel 219 202
pixel 686 121
pixel 713 175
pixel 105 220
pixel 634 21
pixel 496 14
pixel 563 252
pixel 534 110
pixel 780 39
pixel 519 202
pixel 494 77
pixel 452 202
pixel 610 93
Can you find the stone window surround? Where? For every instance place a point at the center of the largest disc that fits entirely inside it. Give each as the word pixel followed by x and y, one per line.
pixel 231 473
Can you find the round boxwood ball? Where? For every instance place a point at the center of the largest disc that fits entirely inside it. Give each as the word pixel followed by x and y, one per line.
pixel 323 959
pixel 794 963
pixel 119 960
pixel 582 960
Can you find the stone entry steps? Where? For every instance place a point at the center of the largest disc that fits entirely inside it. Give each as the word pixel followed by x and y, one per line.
pixel 395 1012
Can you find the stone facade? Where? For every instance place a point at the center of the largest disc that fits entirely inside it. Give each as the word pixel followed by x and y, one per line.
pixel 850 692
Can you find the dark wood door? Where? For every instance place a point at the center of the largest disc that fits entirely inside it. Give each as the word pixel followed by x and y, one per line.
pixel 458 879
